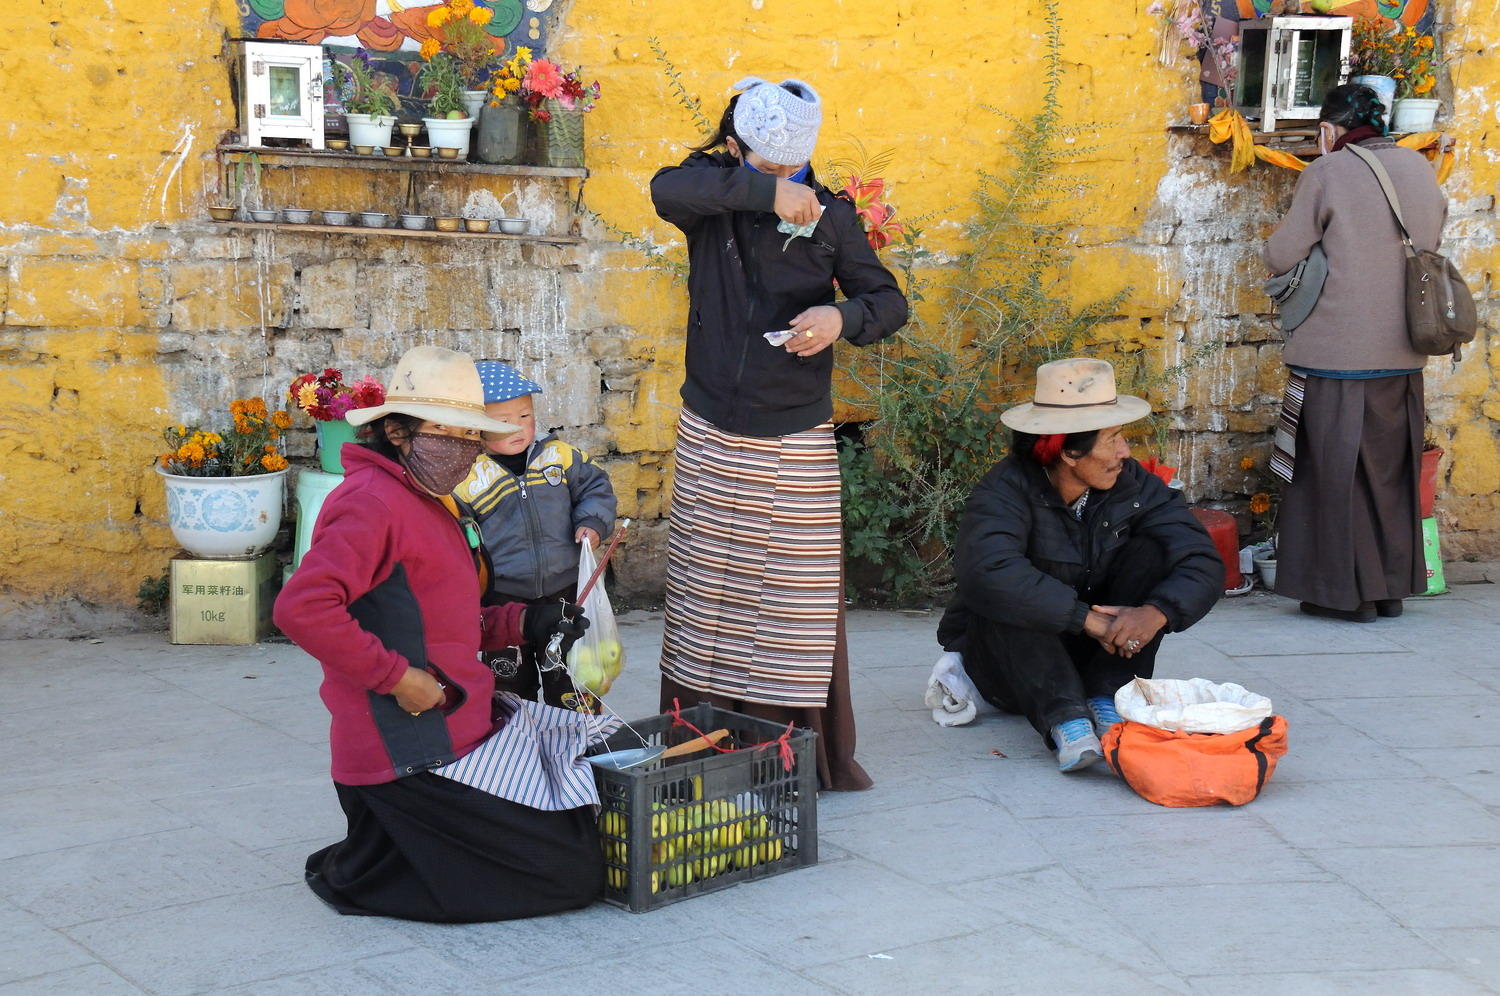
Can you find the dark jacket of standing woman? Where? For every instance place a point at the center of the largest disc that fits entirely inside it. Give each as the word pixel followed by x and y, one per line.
pixel 1021 559
pixel 1359 322
pixel 747 279
pixel 388 582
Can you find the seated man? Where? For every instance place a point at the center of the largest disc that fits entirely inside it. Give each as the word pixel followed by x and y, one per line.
pixel 1072 562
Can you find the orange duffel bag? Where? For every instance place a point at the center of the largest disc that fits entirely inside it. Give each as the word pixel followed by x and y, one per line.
pixel 1195 769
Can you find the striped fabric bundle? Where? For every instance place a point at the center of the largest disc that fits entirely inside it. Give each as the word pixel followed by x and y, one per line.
pixel 753 564
pixel 536 757
pixel 1284 443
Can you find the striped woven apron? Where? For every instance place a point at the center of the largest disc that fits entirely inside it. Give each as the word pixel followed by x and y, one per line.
pixel 753 558
pixel 1284 441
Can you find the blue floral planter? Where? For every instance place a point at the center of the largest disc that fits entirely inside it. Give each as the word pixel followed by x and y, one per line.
pixel 225 518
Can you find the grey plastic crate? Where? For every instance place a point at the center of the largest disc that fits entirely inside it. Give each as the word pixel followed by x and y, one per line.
pixel 683 827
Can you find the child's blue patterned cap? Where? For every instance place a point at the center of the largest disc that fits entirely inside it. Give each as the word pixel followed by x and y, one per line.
pixel 503 382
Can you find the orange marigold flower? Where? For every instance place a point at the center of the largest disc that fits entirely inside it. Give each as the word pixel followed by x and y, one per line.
pixel 481 15
pixel 430 48
pixel 438 16
pixel 281 420
pixel 1260 503
pixel 1247 463
pixel 273 462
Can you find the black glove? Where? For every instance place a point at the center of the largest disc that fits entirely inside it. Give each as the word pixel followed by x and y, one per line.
pixel 553 617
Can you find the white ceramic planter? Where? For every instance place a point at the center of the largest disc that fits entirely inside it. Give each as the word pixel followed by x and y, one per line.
pixel 225 518
pixel 474 101
pixel 367 130
pixel 1266 567
pixel 1414 114
pixel 450 133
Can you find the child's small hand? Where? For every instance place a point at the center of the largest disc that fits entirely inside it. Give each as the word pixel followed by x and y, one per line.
pixel 586 535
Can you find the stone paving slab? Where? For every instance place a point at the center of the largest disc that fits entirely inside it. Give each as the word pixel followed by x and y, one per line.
pixel 156 844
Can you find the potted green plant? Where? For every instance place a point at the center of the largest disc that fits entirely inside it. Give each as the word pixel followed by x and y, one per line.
pixel 370 107
pixel 449 123
pixel 1263 506
pixel 225 488
pixel 1416 108
pixel 458 30
pixel 326 399
pixel 1409 59
pixel 558 102
pixel 1371 61
pixel 501 135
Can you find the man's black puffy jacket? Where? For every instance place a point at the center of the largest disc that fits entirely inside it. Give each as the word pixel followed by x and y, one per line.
pixel 1021 559
pixel 747 279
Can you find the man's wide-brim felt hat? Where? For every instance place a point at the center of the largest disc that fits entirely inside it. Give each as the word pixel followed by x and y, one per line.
pixel 1075 395
pixel 435 385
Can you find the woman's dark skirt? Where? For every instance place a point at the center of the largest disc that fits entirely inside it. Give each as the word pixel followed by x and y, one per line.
pixel 1348 528
pixel 429 848
pixel 832 722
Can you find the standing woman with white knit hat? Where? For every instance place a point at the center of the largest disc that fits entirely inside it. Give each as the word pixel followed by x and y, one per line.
pixel 755 606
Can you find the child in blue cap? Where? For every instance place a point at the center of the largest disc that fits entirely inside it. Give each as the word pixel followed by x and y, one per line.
pixel 534 500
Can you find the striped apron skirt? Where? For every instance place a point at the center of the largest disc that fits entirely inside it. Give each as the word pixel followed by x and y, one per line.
pixel 754 557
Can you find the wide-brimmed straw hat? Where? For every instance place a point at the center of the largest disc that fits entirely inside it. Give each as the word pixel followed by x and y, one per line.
pixel 436 385
pixel 1075 395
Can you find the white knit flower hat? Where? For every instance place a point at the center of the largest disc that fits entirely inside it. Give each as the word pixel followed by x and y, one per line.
pixel 778 121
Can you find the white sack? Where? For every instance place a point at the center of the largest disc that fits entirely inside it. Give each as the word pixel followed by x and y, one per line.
pixel 1193 705
pixel 951 696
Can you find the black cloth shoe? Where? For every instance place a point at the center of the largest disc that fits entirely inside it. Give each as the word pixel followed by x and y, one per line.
pixel 1388 608
pixel 1365 613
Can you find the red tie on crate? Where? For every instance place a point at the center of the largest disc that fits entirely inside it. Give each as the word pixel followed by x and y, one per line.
pixel 783 742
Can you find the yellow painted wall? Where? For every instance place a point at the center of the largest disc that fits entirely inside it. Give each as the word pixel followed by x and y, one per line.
pixel 123 310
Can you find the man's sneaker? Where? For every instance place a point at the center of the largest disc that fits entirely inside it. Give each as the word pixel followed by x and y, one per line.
pixel 1077 747
pixel 1102 708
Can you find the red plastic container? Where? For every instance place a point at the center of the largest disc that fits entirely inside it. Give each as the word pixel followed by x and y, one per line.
pixel 1226 536
pixel 1427 482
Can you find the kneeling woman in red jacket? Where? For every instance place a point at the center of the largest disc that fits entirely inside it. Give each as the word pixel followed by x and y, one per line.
pixel 387 600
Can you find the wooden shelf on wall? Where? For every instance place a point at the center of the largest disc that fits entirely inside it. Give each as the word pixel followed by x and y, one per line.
pixel 405 164
pixel 399 233
pixel 1301 142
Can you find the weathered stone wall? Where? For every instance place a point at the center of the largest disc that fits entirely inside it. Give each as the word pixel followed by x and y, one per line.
pixel 124 311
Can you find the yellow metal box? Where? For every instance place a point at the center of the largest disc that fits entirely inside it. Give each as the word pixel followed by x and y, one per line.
pixel 222 602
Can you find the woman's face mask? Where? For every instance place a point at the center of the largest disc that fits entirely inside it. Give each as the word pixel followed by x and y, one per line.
pixel 438 462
